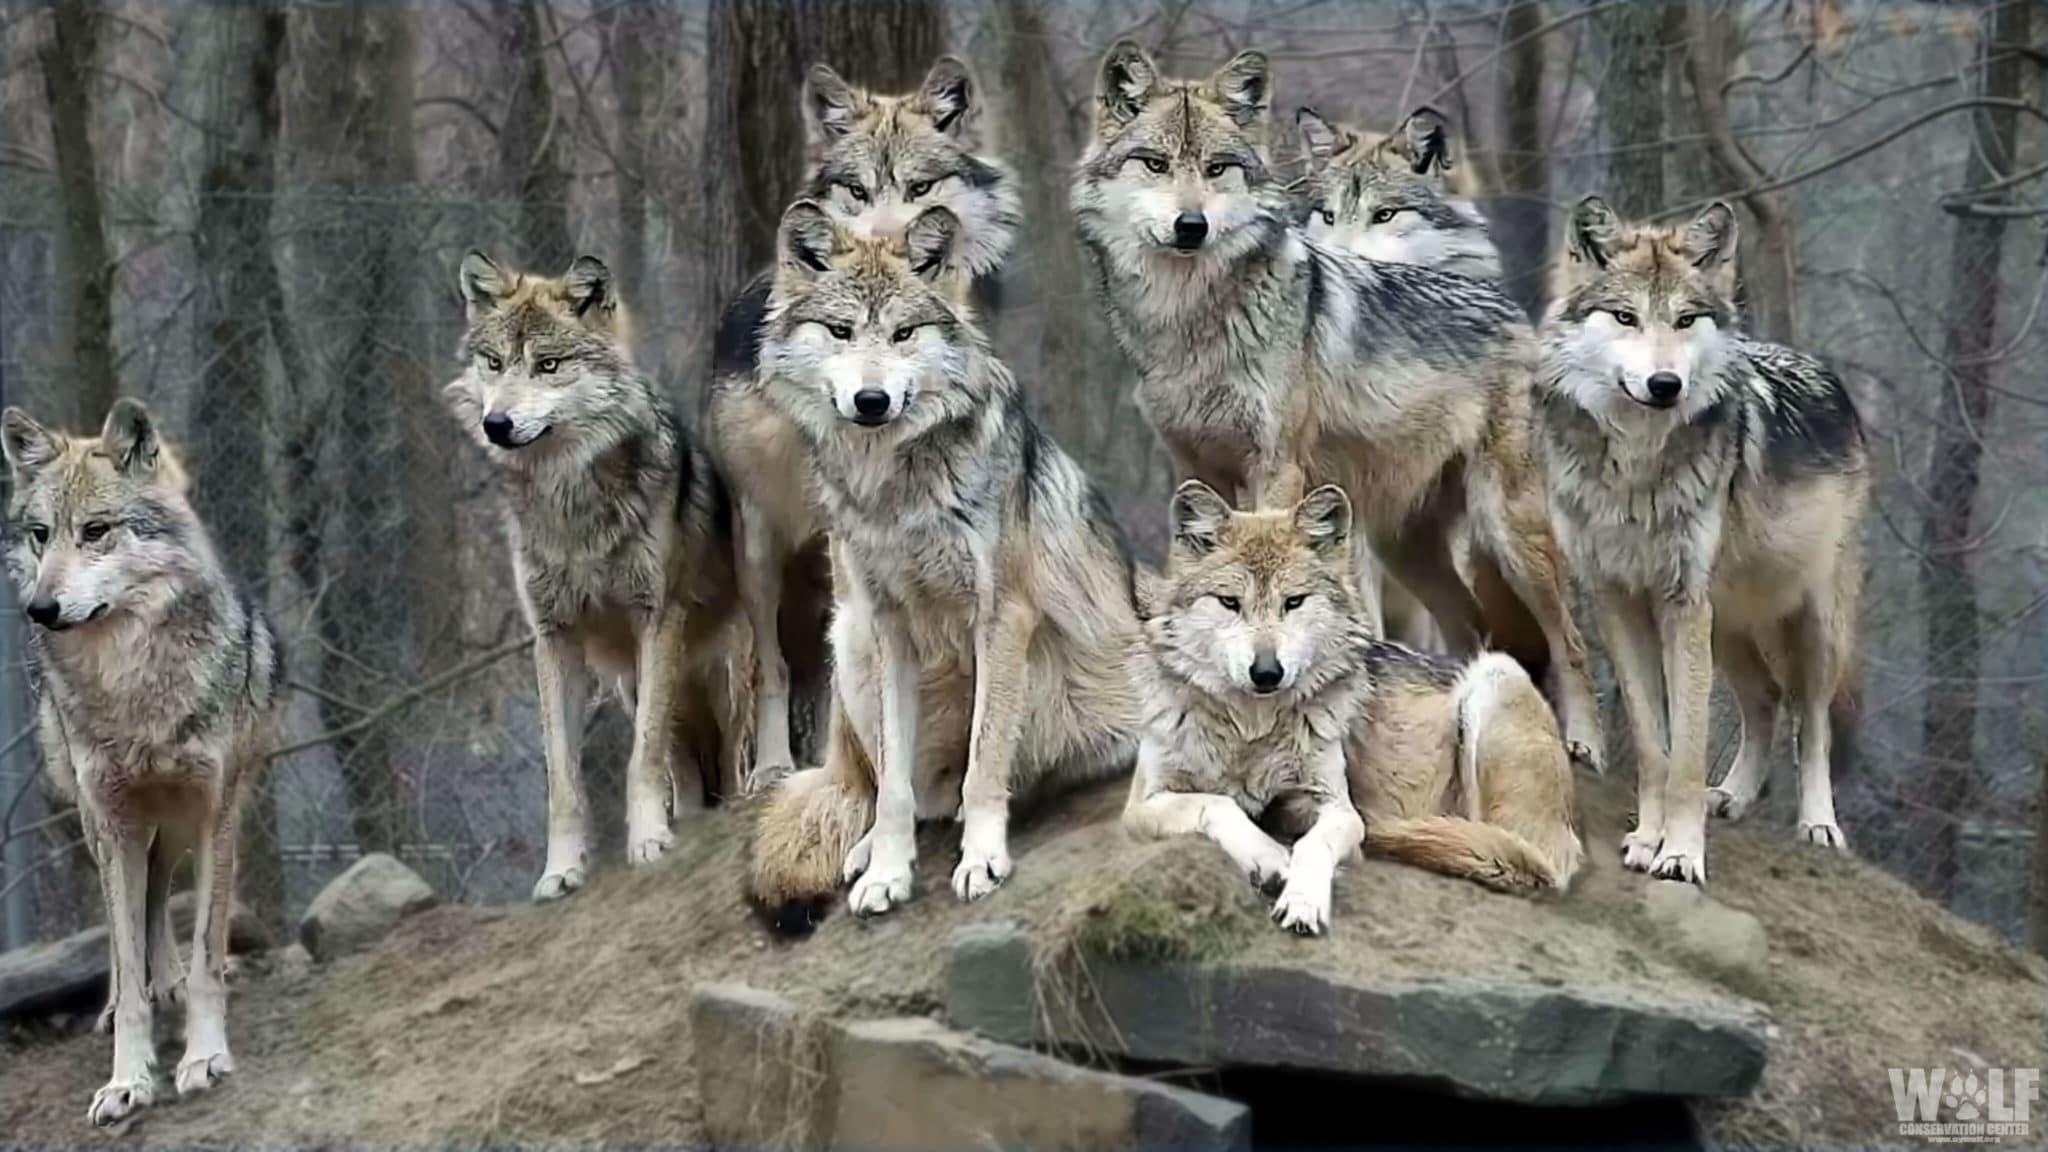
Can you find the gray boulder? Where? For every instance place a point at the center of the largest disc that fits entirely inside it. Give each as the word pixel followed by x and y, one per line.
pixel 359 906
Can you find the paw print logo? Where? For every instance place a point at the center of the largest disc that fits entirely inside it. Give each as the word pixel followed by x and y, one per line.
pixel 1965 1097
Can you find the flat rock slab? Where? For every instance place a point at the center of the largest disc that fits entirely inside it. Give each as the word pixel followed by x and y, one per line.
pixel 771 1076
pixel 54 975
pixel 1523 1043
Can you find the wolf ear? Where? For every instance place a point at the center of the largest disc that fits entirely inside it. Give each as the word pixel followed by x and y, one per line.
pixel 483 282
pixel 1244 84
pixel 807 240
pixel 831 105
pixel 29 445
pixel 1320 139
pixel 931 241
pixel 1711 237
pixel 1127 80
pixel 1429 141
pixel 1324 518
pixel 589 284
pixel 1595 232
pixel 129 437
pixel 1199 517
pixel 947 94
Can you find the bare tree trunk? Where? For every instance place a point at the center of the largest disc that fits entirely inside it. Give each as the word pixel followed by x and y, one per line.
pixel 1713 37
pixel 1948 586
pixel 1632 103
pixel 355 137
pixel 1523 211
pixel 237 50
pixel 529 145
pixel 85 268
pixel 633 31
pixel 2037 915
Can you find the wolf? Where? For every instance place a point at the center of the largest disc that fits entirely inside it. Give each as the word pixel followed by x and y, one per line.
pixel 1399 196
pixel 1267 360
pixel 875 161
pixel 621 541
pixel 158 690
pixel 1269 697
pixel 986 641
pixel 1709 491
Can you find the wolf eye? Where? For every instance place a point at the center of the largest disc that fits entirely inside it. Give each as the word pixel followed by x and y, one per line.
pixel 93 532
pixel 904 333
pixel 859 194
pixel 1217 168
pixel 1686 320
pixel 1293 602
pixel 40 533
pixel 546 365
pixel 1329 217
pixel 1384 215
pixel 1153 164
pixel 1624 317
pixel 493 363
pixel 918 188
pixel 1230 603
pixel 840 331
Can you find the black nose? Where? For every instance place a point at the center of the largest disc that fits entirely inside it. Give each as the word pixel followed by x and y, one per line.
pixel 870 405
pixel 1266 672
pixel 44 610
pixel 498 429
pixel 1665 386
pixel 1189 230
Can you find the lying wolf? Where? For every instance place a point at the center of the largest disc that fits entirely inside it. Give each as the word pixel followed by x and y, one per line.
pixel 157 701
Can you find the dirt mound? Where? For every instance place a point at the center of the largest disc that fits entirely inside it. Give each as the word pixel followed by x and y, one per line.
pixel 568 1025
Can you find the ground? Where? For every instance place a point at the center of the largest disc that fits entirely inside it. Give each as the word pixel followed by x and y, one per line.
pixel 566 1024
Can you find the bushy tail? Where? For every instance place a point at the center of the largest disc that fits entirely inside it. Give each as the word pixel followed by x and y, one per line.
pixel 803 831
pixel 1466 849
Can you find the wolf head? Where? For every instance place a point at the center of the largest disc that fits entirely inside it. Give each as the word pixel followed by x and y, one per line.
pixel 865 330
pixel 1258 603
pixel 1398 197
pixel 99 525
pixel 547 358
pixel 1179 169
pixel 1644 317
pixel 878 161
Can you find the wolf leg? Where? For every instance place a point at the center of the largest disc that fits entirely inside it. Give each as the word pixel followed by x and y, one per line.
pixel 649 785
pixel 206 1061
pixel 124 877
pixel 1161 815
pixel 160 944
pixel 559 664
pixel 892 843
pixel 1818 673
pixel 1750 678
pixel 1000 687
pixel 1631 636
pixel 1686 629
pixel 760 587
pixel 1304 904
pixel 1420 558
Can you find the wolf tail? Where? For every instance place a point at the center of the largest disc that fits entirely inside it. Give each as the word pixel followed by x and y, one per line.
pixel 804 830
pixel 1514 785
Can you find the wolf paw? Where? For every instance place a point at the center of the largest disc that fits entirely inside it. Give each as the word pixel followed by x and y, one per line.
pixel 1303 909
pixel 645 847
pixel 1727 804
pixel 1586 756
pixel 1268 869
pixel 555 885
pixel 857 857
pixel 1639 849
pixel 199 1071
pixel 164 988
pixel 1824 834
pixel 121 1099
pixel 980 873
pixel 1676 864
pixel 879 889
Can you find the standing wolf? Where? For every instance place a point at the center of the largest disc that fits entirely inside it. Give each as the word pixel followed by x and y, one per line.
pixel 621 542
pixel 985 617
pixel 1709 491
pixel 157 701
pixel 1399 197
pixel 875 162
pixel 1269 697
pixel 1268 362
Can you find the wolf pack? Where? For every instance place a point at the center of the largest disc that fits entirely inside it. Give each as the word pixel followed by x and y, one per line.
pixel 1374 444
